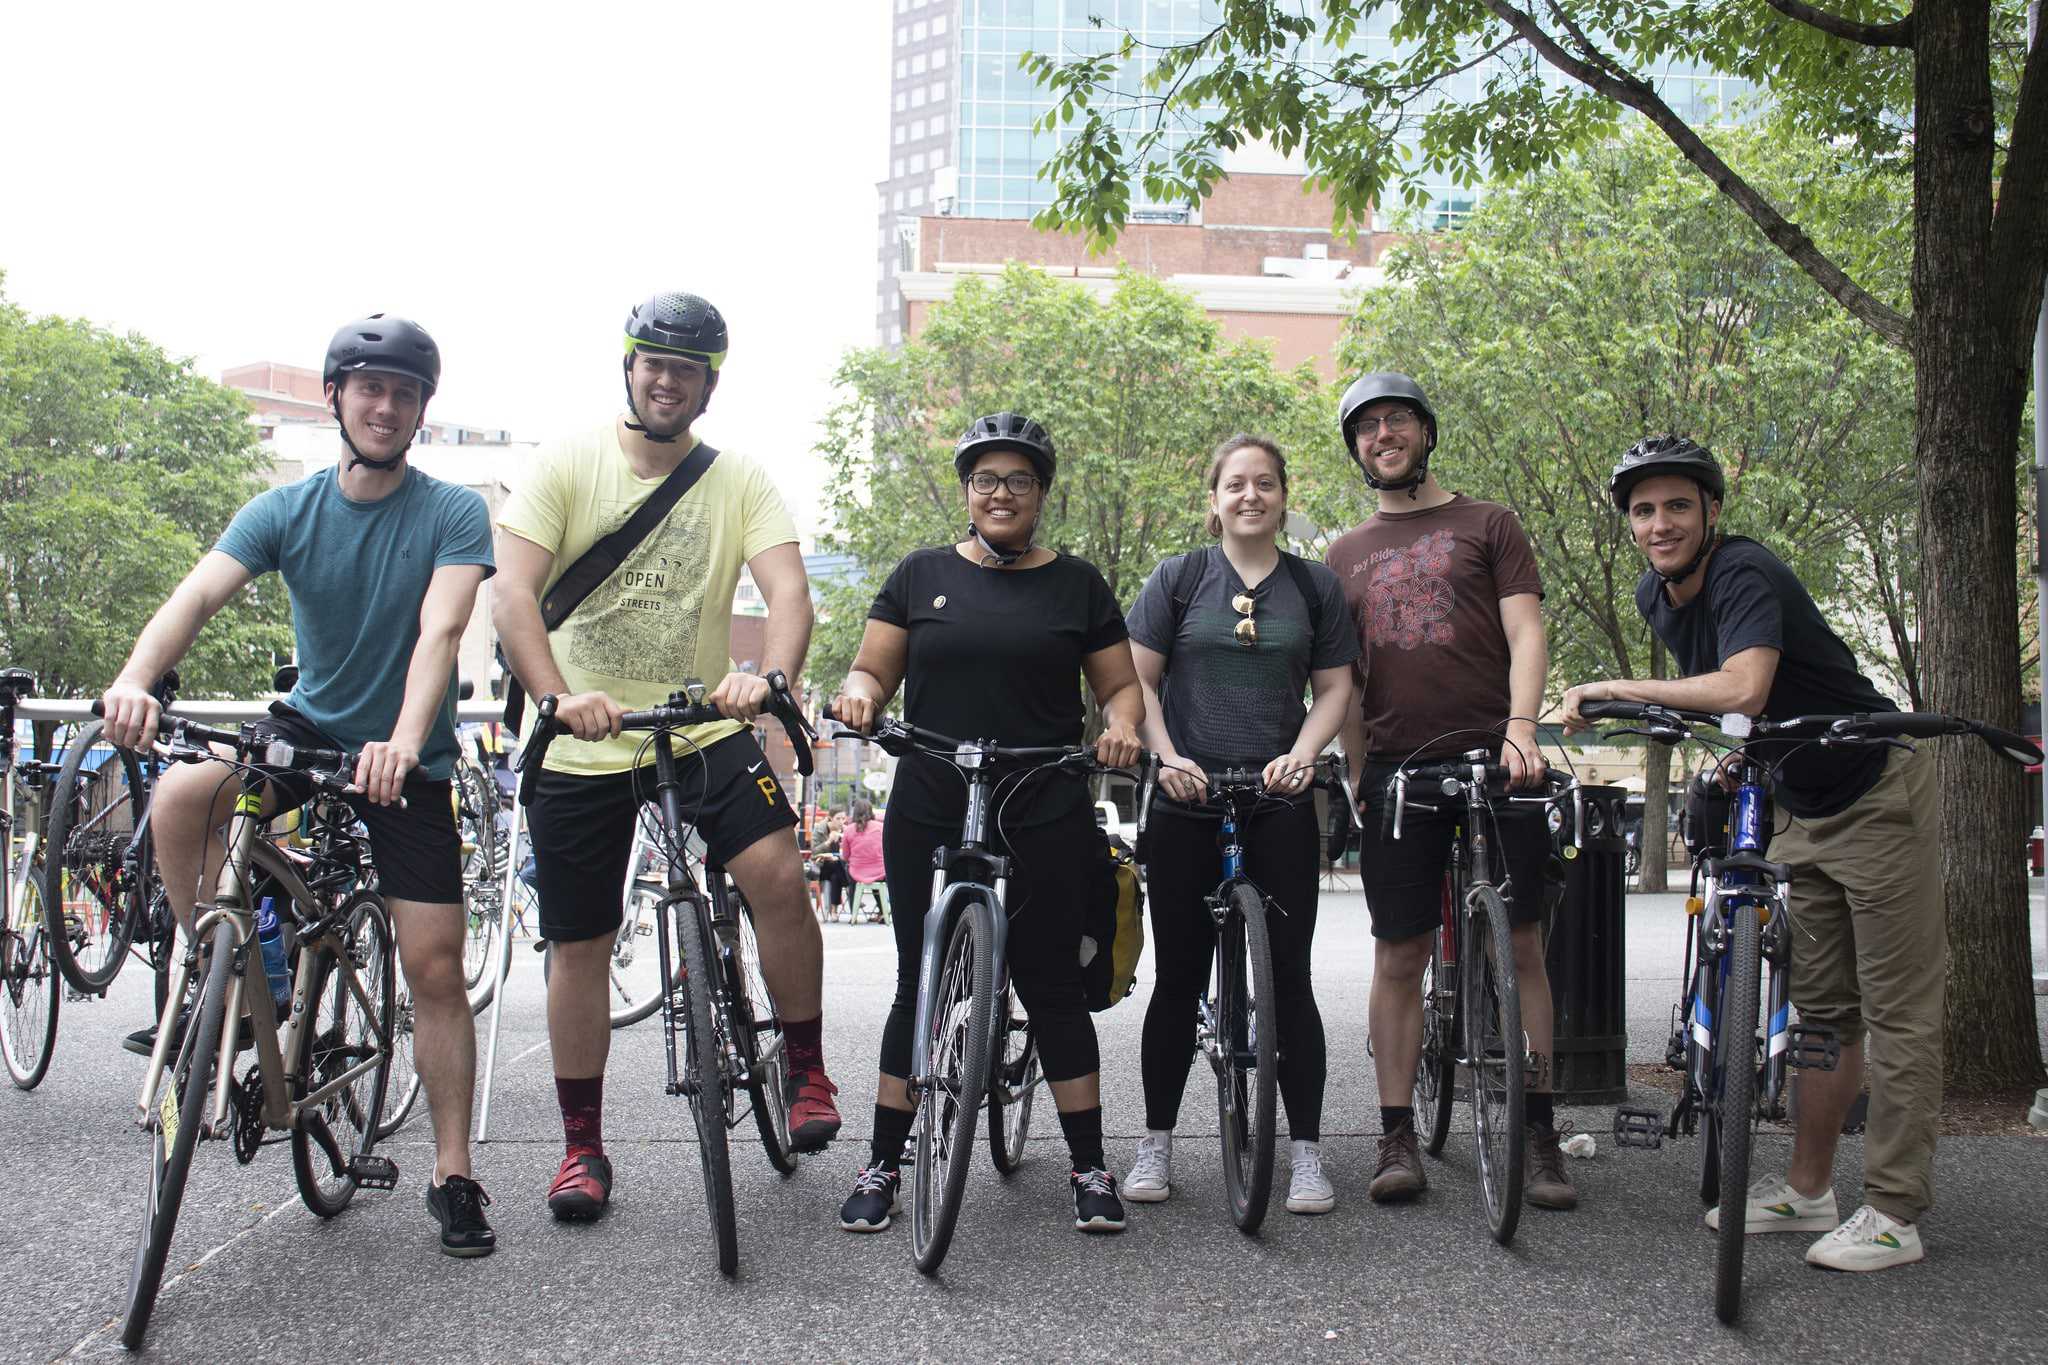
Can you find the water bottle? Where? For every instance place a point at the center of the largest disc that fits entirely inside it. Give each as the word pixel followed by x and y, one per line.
pixel 276 966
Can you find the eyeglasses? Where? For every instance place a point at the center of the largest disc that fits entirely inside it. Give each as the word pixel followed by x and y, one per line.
pixel 1395 422
pixel 1020 484
pixel 1247 630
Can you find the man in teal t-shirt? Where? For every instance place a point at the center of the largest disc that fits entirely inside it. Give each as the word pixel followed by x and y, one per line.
pixel 383 564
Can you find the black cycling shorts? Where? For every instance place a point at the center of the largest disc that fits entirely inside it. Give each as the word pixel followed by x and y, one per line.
pixel 582 827
pixel 415 848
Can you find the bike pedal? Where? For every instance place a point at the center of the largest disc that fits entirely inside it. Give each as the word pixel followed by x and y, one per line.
pixel 1812 1049
pixel 1638 1128
pixel 374 1172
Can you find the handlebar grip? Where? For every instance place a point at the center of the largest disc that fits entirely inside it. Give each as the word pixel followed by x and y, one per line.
pixel 536 750
pixel 801 736
pixel 1393 794
pixel 2018 748
pixel 1608 709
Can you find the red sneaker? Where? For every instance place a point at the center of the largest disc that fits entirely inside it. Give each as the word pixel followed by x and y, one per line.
pixel 582 1188
pixel 813 1117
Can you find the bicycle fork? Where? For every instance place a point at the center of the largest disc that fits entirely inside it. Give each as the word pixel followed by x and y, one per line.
pixel 947 901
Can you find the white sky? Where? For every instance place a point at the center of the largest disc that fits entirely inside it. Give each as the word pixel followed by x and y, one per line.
pixel 235 181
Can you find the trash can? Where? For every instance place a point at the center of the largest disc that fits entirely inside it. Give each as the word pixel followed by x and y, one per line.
pixel 1586 957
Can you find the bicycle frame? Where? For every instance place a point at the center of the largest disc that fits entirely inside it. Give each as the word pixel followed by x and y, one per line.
pixel 946 900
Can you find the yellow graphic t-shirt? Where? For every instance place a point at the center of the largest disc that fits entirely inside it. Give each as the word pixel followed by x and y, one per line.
pixel 666 614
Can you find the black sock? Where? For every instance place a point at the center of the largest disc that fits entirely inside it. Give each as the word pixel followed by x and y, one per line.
pixel 1393 1118
pixel 1538 1109
pixel 1083 1128
pixel 892 1127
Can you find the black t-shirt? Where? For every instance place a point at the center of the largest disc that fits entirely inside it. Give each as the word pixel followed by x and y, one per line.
pixel 1751 599
pixel 1228 705
pixel 994 654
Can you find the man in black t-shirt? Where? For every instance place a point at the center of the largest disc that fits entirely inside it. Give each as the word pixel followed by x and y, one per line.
pixel 1868 952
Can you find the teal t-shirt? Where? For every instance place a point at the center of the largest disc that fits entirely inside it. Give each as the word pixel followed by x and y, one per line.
pixel 357 573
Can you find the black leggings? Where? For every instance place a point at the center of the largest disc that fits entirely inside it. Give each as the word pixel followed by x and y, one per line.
pixel 1049 883
pixel 1182 868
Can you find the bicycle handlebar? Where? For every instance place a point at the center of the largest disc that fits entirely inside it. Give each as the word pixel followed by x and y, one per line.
pixel 332 770
pixel 1671 723
pixel 1558 783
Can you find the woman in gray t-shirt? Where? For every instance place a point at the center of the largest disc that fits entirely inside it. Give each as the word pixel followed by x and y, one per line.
pixel 1227 641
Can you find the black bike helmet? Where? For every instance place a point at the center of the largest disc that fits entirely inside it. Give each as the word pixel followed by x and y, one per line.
pixel 1381 386
pixel 395 345
pixel 1006 431
pixel 390 346
pixel 1665 455
pixel 674 323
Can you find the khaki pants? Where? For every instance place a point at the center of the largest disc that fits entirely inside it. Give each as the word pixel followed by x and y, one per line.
pixel 1870 954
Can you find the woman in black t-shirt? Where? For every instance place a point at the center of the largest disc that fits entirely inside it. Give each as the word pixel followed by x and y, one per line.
pixel 1230 637
pixel 990 638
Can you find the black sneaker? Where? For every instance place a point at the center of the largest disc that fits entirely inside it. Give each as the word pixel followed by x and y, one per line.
pixel 877 1193
pixel 1096 1207
pixel 458 1206
pixel 142 1042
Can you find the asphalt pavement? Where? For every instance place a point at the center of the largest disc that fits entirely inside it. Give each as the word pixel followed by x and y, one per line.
pixel 1626 1277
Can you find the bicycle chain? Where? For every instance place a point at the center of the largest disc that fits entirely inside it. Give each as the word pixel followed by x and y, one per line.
pixel 248 1107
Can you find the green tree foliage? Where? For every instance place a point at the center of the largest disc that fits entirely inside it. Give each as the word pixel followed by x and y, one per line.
pixel 1945 93
pixel 118 468
pixel 1136 389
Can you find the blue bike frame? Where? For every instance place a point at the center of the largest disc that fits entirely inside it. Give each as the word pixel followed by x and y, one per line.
pixel 1734 885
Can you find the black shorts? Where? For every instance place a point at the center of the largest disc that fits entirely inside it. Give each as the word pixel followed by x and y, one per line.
pixel 1404 878
pixel 415 848
pixel 582 828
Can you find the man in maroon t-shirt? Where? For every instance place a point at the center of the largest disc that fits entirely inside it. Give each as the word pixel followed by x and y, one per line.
pixel 1447 600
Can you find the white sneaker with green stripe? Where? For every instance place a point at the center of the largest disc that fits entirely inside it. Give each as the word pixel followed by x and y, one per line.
pixel 1774 1206
pixel 1868 1241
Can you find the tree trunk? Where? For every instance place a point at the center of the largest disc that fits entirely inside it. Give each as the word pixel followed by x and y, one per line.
pixel 1655 872
pixel 1970 381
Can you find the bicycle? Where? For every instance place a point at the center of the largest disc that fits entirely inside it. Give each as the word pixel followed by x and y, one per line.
pixel 1471 1000
pixel 720 1029
pixel 31 988
pixel 318 1081
pixel 1237 1026
pixel 966 1021
pixel 1735 1066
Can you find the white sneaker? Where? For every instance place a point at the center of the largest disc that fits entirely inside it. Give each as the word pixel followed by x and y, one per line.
pixel 1868 1241
pixel 1151 1177
pixel 1308 1190
pixel 1774 1206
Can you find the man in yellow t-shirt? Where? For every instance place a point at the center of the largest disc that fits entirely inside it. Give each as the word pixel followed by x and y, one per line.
pixel 665 615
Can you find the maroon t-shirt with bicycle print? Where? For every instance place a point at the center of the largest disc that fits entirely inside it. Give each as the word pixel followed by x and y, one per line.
pixel 1424 589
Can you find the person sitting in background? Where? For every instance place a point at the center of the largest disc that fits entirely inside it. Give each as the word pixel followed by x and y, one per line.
pixel 860 843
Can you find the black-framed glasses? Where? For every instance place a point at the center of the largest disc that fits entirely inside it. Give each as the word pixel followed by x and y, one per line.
pixel 1020 484
pixel 1247 630
pixel 1397 421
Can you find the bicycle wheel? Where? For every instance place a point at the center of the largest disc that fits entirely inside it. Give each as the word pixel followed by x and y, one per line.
pixel 1246 1089
pixel 174 1131
pixel 704 1080
pixel 93 815
pixel 1436 1072
pixel 1015 1081
pixel 342 1032
pixel 476 815
pixel 759 1031
pixel 1735 1042
pixel 635 973
pixel 1496 1056
pixel 402 1089
pixel 962 1020
pixel 30 990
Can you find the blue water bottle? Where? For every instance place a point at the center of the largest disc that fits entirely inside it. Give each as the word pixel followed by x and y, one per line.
pixel 270 936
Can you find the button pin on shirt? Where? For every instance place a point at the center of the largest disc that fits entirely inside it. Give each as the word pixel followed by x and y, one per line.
pixel 939 601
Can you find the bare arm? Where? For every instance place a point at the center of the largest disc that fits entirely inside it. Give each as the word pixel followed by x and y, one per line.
pixel 451 593
pixel 131 712
pixel 1330 707
pixel 779 573
pixel 1521 617
pixel 877 672
pixel 523 569
pixel 1113 678
pixel 1741 684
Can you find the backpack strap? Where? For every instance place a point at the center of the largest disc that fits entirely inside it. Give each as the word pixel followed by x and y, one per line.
pixel 1305 584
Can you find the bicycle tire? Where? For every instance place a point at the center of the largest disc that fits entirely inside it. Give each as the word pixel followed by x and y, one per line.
pixel 186 1084
pixel 340 1034
pixel 1013 1083
pixel 1495 1055
pixel 88 840
pixel 962 1019
pixel 1246 1083
pixel 761 1041
pixel 1436 1070
pixel 1735 1035
pixel 31 990
pixel 402 1089
pixel 704 1081
pixel 627 1008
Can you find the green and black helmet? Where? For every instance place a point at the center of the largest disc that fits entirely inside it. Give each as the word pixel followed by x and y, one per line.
pixel 674 323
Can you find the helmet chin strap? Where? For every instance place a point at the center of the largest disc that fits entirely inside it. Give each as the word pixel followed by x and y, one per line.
pixel 357 457
pixel 1707 544
pixel 991 557
pixel 1412 484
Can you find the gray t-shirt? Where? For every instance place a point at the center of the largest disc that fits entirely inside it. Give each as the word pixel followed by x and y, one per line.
pixel 1231 705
